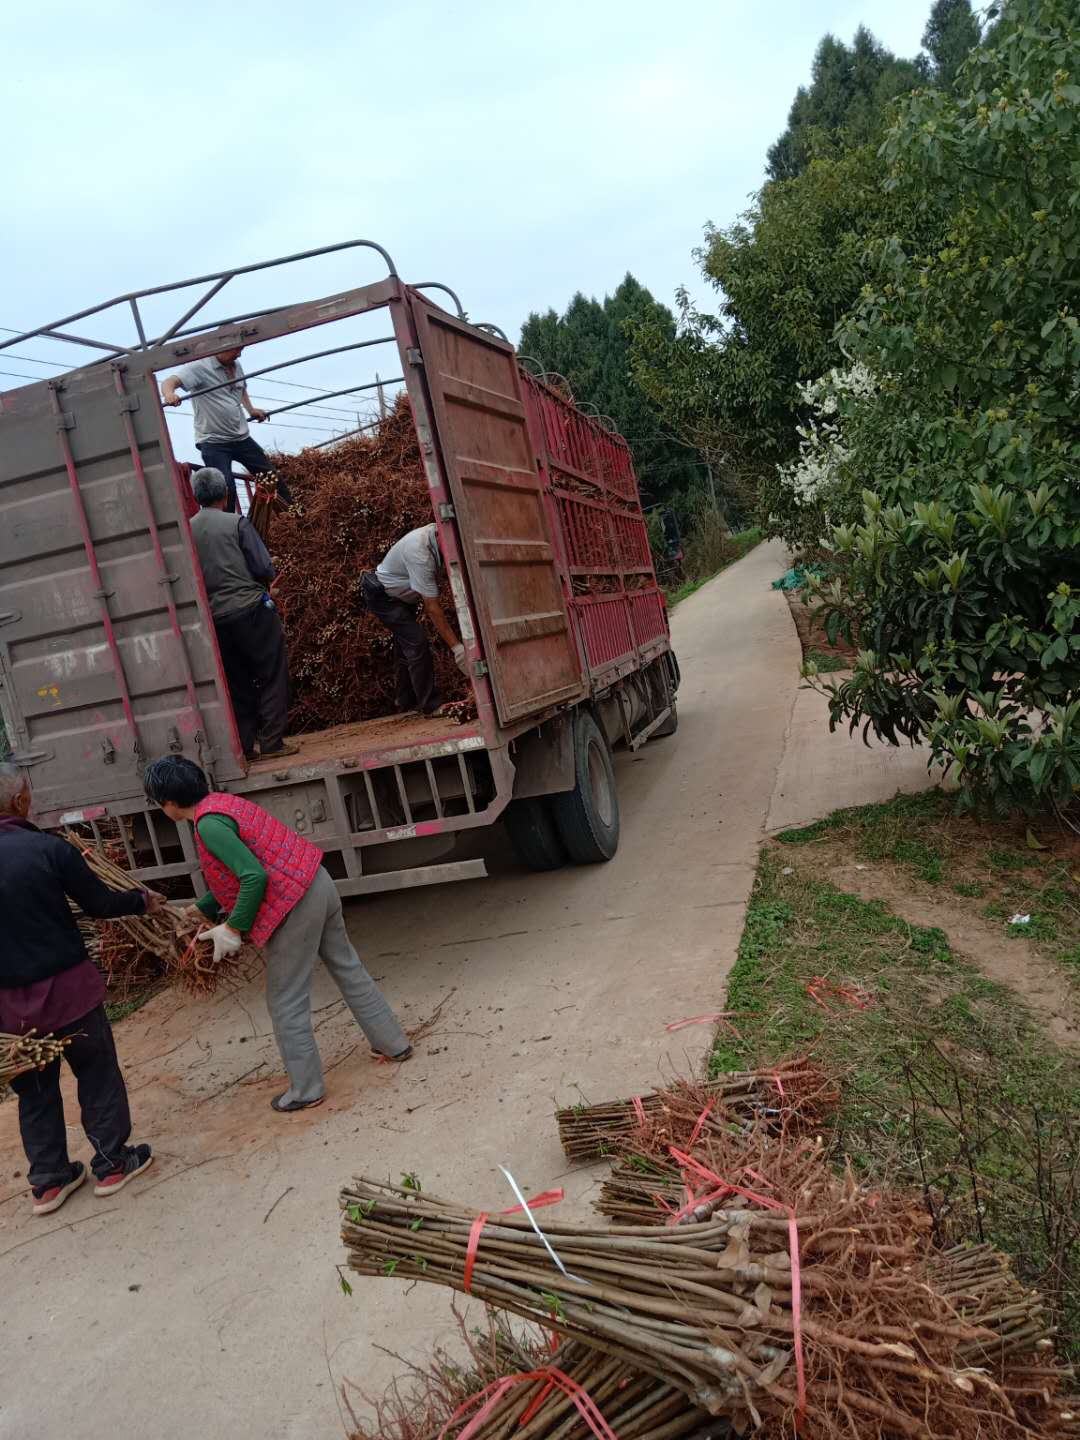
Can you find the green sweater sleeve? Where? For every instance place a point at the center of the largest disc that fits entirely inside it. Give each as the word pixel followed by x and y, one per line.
pixel 220 835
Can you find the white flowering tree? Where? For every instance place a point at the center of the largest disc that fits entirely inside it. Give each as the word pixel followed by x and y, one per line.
pixel 817 490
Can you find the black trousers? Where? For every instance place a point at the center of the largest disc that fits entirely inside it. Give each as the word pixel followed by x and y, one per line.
pixel 415 684
pixel 252 645
pixel 102 1100
pixel 220 454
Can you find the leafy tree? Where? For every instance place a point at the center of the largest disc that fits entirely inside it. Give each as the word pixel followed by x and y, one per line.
pixel 787 273
pixel 961 574
pixel 951 33
pixel 588 345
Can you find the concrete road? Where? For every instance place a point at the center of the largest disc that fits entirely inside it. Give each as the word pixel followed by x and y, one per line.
pixel 204 1300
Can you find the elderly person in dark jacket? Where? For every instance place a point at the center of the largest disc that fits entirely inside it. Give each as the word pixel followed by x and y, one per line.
pixel 49 984
pixel 237 571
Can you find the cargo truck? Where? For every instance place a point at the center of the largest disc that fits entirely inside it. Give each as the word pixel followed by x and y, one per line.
pixel 107 651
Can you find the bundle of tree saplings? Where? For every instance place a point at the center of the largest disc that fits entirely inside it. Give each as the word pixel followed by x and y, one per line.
pixel 352 501
pixel 136 950
pixel 803 1299
pixel 22 1053
pixel 793 1091
pixel 515 1384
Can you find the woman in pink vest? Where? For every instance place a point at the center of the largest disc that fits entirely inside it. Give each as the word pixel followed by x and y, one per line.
pixel 268 883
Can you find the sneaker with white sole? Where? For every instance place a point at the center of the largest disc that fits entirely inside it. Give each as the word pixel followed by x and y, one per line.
pixel 137 1159
pixel 53 1196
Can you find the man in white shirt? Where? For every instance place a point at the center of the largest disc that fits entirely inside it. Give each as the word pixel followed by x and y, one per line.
pixel 409 575
pixel 219 397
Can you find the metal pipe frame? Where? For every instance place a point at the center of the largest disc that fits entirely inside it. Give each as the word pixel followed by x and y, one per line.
pixel 346 435
pixel 330 394
pixel 438 285
pixel 299 360
pixel 216 282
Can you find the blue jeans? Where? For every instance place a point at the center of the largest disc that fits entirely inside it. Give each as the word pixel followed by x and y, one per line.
pixel 220 454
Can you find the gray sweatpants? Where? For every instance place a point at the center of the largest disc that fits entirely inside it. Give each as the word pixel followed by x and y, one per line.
pixel 315 928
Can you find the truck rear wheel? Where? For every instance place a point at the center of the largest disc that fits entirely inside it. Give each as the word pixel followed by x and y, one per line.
pixel 588 816
pixel 531 827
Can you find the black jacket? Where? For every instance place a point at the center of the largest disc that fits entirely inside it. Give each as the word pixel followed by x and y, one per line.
pixel 38 934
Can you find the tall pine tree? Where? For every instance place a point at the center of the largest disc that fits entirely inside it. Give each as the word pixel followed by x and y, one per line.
pixel 850 89
pixel 852 86
pixel 951 33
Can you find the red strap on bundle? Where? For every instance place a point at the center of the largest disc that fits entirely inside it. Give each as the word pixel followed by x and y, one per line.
pixel 693 1201
pixel 549 1197
pixel 700 1122
pixel 639 1111
pixel 779 1083
pixel 490 1395
pixel 793 1242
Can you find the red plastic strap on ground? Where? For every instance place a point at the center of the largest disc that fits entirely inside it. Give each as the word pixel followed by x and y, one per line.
pixel 548 1197
pixel 793 1242
pixel 489 1397
pixel 853 995
pixel 717 1017
pixel 639 1111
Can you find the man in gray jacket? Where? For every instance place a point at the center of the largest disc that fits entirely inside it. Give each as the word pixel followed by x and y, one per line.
pixel 237 571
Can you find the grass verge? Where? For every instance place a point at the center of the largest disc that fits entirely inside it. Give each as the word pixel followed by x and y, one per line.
pixel 947 1083
pixel 1003 869
pixel 730 549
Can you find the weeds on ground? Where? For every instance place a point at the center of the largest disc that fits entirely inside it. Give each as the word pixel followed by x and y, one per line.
pixel 948 1084
pixel 826 663
pixel 116 1010
pixel 925 838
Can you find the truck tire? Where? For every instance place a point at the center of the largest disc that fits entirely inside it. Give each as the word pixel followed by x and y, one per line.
pixel 587 817
pixel 531 828
pixel 670 725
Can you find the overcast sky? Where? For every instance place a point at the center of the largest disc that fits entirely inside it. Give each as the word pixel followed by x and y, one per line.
pixel 519 151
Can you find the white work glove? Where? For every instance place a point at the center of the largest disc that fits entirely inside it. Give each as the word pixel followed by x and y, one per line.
pixel 459 659
pixel 224 939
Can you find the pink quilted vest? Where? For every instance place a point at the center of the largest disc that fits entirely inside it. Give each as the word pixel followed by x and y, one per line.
pixel 289 860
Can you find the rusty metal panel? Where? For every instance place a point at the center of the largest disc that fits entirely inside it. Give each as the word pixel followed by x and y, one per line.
pixel 588 471
pixel 107 653
pixel 473 382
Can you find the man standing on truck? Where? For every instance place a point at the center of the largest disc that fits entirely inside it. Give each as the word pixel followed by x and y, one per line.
pixel 219 397
pixel 237 571
pixel 268 881
pixel 409 575
pixel 49 984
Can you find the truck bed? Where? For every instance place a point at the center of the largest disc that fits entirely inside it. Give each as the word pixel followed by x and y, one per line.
pixel 366 738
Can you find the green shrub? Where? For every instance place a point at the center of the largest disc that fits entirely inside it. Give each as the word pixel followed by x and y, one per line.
pixel 961 571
